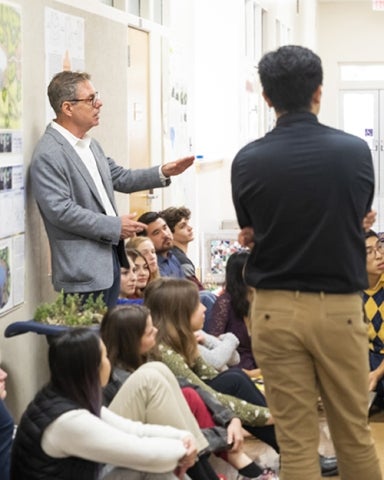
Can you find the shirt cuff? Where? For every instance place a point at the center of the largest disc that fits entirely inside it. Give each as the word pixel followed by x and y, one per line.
pixel 163 179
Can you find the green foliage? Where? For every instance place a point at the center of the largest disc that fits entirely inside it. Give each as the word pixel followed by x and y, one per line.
pixel 70 311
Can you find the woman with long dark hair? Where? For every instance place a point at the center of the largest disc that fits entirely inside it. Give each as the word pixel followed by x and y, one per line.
pixel 65 433
pixel 230 312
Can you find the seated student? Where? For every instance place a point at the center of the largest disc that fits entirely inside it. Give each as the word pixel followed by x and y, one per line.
pixel 177 313
pixel 373 299
pixel 6 430
pixel 128 280
pixel 130 337
pixel 160 234
pixel 230 312
pixel 141 269
pixel 177 220
pixel 65 433
pixel 145 246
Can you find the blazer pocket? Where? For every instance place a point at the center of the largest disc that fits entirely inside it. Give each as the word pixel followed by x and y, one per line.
pixel 78 260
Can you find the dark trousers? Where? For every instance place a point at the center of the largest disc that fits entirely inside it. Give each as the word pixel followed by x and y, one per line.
pixel 235 382
pixel 6 433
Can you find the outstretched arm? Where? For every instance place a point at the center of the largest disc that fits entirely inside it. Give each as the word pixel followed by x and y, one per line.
pixel 179 166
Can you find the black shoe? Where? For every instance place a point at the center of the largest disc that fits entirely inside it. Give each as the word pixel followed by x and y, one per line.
pixel 328 466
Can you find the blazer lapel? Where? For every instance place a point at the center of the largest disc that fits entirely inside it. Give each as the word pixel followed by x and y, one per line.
pixel 78 164
pixel 105 175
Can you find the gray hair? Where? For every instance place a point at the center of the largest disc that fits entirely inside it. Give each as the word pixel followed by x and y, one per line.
pixel 63 87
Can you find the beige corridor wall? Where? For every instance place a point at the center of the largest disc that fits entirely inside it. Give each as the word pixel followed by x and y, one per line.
pixel 24 357
pixel 348 32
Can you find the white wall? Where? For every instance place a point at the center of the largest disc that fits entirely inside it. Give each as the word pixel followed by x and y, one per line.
pixel 348 32
pixel 219 80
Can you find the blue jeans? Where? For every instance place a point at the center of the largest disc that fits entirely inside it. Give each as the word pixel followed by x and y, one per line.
pixel 6 433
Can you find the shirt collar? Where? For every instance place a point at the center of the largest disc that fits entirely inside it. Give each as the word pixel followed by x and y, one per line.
pixel 72 139
pixel 297 117
pixel 375 288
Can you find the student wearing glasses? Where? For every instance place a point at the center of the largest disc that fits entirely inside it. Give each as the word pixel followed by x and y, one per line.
pixel 74 181
pixel 373 299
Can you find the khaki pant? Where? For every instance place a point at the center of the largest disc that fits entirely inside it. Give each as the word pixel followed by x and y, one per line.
pixel 311 344
pixel 152 394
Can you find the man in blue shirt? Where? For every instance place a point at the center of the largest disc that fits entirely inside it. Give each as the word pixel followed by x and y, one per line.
pixel 169 266
pixel 160 234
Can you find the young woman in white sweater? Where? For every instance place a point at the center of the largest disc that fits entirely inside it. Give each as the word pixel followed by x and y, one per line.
pixel 65 433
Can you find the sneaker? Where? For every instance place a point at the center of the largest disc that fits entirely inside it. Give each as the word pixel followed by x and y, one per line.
pixel 268 474
pixel 328 466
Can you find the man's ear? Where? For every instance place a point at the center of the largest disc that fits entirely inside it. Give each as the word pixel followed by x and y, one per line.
pixel 66 109
pixel 316 97
pixel 316 100
pixel 266 98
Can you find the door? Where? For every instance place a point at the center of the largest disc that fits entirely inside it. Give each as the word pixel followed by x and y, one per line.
pixel 362 114
pixel 138 112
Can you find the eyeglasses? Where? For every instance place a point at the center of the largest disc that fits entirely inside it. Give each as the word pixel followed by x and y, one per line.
pixel 92 100
pixel 378 248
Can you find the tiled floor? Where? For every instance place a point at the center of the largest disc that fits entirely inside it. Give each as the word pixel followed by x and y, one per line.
pixel 265 455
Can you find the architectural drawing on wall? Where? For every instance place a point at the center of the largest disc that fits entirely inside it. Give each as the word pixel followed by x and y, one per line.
pixel 12 202
pixel 64 45
pixel 10 67
pixel 11 272
pixel 176 122
pixel 5 277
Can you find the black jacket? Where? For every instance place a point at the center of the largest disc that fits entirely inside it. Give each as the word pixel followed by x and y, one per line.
pixel 29 462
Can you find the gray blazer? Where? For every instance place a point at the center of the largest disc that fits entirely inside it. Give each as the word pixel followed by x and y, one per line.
pixel 80 233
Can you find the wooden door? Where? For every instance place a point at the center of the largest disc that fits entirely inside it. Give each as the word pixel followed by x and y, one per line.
pixel 138 112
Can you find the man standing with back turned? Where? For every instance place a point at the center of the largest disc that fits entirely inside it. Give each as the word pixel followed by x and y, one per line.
pixel 304 191
pixel 73 182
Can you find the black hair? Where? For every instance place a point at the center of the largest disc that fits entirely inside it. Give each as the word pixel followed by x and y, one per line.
pixel 290 76
pixel 371 233
pixel 121 329
pixel 147 218
pixel 235 284
pixel 74 361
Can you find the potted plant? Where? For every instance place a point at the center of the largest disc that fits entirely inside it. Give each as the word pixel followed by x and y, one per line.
pixel 67 311
pixel 70 311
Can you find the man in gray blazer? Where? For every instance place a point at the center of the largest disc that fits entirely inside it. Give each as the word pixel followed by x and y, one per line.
pixel 73 182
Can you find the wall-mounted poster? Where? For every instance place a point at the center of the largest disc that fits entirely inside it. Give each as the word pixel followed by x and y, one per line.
pixel 64 45
pixel 12 203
